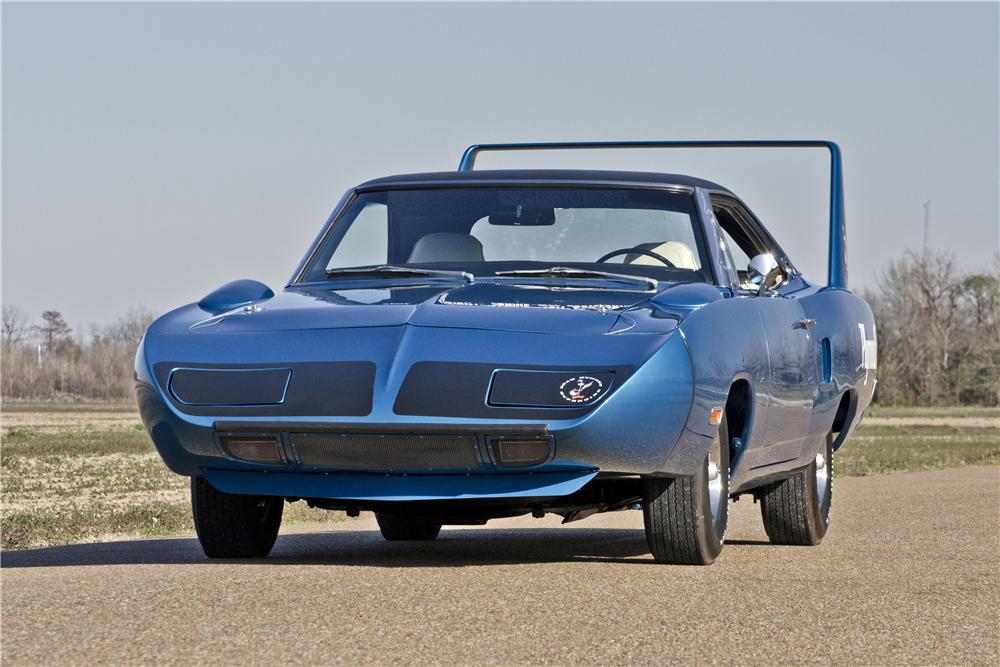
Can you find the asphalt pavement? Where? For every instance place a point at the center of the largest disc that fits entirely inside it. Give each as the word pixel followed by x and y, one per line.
pixel 909 573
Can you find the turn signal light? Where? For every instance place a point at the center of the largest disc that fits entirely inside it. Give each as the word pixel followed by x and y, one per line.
pixel 256 448
pixel 521 453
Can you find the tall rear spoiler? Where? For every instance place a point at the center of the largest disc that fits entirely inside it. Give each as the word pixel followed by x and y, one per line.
pixel 837 254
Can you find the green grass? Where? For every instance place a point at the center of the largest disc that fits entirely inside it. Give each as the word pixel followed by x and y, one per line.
pixel 954 411
pixel 72 486
pixel 72 523
pixel 881 449
pixel 26 442
pixel 36 406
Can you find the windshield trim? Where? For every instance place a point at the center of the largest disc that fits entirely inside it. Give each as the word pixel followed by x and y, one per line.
pixel 564 273
pixel 397 271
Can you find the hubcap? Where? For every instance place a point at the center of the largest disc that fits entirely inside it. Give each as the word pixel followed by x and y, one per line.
pixel 715 487
pixel 822 476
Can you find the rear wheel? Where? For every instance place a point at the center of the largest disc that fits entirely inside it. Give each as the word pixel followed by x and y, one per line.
pixel 686 517
pixel 407 527
pixel 796 510
pixel 234 526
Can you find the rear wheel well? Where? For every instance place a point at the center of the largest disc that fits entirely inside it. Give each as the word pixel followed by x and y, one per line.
pixel 739 413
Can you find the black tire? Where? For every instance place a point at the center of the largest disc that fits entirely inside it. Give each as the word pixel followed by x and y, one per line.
pixel 407 527
pixel 677 511
pixel 796 510
pixel 234 526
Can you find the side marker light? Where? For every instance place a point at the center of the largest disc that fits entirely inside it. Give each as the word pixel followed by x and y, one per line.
pixel 716 417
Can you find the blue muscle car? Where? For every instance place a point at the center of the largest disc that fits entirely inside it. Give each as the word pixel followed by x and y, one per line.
pixel 467 345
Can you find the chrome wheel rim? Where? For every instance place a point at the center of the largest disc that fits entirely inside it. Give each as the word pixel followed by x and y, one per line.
pixel 822 477
pixel 715 481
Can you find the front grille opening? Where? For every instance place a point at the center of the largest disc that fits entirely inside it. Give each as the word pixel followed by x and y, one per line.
pixel 511 453
pixel 387 452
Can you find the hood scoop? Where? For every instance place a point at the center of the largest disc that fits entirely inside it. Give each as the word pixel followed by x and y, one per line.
pixel 527 308
pixel 541 296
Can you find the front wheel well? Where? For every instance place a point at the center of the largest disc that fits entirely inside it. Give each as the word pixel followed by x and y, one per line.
pixel 739 414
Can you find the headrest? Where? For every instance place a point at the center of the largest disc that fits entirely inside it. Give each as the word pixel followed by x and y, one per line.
pixel 446 247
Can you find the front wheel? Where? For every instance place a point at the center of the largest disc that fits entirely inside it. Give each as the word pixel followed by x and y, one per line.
pixel 686 517
pixel 796 510
pixel 234 526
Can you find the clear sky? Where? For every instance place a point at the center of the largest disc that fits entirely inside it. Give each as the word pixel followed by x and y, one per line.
pixel 154 151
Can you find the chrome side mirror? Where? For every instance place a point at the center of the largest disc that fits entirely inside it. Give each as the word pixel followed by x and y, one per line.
pixel 765 272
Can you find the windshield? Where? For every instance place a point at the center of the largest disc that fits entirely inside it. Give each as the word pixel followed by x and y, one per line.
pixel 486 231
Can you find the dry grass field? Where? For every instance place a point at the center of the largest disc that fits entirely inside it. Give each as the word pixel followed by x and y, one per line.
pixel 86 472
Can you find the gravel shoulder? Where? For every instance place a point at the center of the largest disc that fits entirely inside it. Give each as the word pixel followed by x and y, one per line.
pixel 909 573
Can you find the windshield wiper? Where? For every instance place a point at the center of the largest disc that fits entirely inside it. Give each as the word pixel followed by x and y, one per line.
pixel 389 271
pixel 569 272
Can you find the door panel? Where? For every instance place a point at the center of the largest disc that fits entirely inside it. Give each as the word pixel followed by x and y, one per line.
pixel 792 373
pixel 792 382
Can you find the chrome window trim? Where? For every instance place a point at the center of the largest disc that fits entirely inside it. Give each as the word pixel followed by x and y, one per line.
pixel 338 211
pixel 721 267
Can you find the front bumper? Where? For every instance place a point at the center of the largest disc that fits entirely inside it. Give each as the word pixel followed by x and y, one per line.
pixel 368 487
pixel 638 429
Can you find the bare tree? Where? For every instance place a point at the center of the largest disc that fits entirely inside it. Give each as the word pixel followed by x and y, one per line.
pixel 15 324
pixel 129 328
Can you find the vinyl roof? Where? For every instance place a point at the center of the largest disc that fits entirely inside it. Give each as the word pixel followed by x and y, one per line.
pixel 545 175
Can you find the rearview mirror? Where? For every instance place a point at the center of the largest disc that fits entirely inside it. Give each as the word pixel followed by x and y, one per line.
pixel 524 216
pixel 765 272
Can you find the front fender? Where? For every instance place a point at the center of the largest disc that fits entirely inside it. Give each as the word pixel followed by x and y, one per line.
pixel 641 427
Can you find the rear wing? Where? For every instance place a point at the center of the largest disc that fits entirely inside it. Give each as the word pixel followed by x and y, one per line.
pixel 837 252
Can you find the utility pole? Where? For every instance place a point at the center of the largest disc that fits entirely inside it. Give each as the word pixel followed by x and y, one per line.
pixel 927 222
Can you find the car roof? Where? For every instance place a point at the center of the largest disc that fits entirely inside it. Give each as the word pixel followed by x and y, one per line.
pixel 580 175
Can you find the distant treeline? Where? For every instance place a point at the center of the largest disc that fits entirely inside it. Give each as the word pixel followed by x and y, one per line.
pixel 938 332
pixel 47 360
pixel 938 342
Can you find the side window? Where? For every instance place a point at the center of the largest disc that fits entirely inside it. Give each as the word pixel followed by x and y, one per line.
pixel 366 240
pixel 740 245
pixel 746 237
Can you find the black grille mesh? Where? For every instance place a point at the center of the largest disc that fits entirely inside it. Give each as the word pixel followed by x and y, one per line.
pixel 376 451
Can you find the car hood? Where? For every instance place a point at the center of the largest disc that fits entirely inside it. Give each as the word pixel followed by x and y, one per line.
pixel 486 305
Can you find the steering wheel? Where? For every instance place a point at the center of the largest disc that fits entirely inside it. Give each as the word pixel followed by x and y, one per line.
pixel 637 251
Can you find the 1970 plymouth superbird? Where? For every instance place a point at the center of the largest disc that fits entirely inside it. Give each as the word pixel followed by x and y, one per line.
pixel 467 345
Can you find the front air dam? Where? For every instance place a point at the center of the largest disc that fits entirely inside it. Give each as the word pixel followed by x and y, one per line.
pixel 360 486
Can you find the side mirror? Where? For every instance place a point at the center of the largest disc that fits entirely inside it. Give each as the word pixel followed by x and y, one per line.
pixel 233 295
pixel 765 272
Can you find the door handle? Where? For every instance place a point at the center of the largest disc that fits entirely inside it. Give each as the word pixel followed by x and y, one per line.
pixel 804 324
